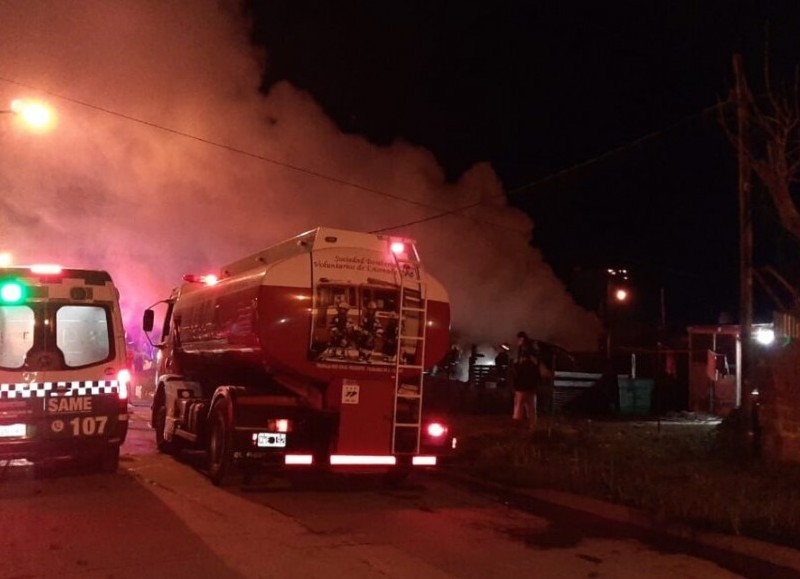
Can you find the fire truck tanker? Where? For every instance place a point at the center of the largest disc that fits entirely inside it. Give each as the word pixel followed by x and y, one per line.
pixel 307 355
pixel 63 368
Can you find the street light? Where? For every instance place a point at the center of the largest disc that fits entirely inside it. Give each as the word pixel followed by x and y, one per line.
pixel 36 115
pixel 616 295
pixel 764 336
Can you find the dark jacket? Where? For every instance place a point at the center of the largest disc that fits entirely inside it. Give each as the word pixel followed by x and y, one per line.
pixel 526 372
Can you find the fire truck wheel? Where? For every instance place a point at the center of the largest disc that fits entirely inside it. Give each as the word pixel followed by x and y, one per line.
pixel 159 423
pixel 220 446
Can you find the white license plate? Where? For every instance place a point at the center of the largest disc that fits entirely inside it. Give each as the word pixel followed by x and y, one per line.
pixel 271 440
pixel 12 430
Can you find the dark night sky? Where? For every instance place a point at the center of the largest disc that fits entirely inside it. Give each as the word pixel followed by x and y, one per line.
pixel 556 96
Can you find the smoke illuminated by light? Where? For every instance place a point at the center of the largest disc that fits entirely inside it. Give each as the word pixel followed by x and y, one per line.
pixel 107 192
pixel 35 114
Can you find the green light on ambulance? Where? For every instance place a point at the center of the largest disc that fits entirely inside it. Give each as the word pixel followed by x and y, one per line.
pixel 11 292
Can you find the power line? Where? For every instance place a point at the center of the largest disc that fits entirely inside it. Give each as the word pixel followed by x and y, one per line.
pixel 247 153
pixel 224 146
pixel 617 150
pixel 457 212
pixel 534 185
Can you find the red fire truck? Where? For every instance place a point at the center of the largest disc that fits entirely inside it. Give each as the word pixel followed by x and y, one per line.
pixel 63 374
pixel 309 354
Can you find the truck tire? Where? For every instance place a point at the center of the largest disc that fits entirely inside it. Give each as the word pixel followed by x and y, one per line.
pixel 159 423
pixel 220 445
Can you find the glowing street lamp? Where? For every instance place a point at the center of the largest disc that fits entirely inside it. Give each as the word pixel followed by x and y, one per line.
pixel 616 296
pixel 765 336
pixel 36 115
pixel 617 286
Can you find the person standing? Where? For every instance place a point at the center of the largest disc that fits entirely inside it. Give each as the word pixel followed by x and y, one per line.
pixel 527 377
pixel 450 362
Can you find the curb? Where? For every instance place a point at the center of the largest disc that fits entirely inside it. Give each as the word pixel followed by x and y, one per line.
pixel 777 555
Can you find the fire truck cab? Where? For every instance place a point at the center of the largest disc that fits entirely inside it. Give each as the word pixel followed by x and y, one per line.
pixel 63 375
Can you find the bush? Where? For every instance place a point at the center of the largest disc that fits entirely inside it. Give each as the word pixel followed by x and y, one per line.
pixel 676 471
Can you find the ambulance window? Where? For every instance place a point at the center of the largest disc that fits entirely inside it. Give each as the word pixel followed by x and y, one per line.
pixel 16 335
pixel 82 334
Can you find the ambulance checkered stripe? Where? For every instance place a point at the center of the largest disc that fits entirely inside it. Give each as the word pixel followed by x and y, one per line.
pixel 48 389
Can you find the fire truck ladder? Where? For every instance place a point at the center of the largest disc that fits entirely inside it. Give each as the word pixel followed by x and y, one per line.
pixel 410 359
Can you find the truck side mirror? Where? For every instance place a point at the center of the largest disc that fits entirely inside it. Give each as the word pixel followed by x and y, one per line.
pixel 147 320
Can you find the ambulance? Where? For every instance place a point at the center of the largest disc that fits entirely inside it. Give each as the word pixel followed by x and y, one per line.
pixel 63 373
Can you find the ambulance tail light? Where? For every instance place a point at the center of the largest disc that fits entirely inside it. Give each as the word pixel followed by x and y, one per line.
pixel 123 380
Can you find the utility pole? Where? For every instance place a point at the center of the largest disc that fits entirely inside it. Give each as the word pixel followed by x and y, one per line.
pixel 744 387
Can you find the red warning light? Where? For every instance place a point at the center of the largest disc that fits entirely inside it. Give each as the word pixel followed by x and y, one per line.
pixel 436 429
pixel 209 279
pixel 398 247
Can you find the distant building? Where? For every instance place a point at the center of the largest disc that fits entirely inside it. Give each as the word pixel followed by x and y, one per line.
pixel 715 367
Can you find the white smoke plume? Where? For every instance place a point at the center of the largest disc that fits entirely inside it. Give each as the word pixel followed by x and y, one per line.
pixel 110 188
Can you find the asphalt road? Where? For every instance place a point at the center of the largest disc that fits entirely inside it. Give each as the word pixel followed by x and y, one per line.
pixel 160 517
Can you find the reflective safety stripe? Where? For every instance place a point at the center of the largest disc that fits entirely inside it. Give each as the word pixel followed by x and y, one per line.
pixel 48 389
pixel 356 459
